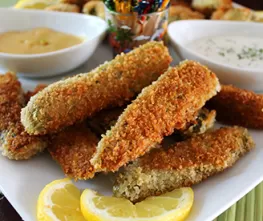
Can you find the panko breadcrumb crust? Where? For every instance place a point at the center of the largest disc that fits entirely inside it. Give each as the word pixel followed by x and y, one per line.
pixel 15 142
pixel 183 164
pixel 73 148
pixel 30 94
pixel 169 104
pixel 11 100
pixel 204 122
pixel 238 107
pixel 112 84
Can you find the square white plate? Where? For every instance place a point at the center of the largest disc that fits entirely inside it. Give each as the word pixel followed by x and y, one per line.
pixel 22 181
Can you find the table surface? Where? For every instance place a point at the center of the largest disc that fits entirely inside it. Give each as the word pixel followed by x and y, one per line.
pixel 7 213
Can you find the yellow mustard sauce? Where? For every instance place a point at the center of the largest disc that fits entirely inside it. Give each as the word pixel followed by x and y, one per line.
pixel 36 41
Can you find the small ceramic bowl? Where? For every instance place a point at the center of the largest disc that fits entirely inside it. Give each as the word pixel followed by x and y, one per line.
pixel 91 28
pixel 181 33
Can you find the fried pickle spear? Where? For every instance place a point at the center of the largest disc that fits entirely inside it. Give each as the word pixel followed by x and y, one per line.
pixel 239 107
pixel 204 121
pixel 73 148
pixel 15 143
pixel 106 119
pixel 30 94
pixel 11 100
pixel 112 84
pixel 183 164
pixel 169 104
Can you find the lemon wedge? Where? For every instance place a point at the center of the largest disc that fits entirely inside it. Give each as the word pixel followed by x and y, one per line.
pixel 35 4
pixel 59 201
pixel 172 206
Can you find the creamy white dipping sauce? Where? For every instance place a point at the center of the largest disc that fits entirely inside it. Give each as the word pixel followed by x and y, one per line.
pixel 239 51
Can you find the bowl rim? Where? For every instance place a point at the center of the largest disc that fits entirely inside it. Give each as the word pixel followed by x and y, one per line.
pixel 103 26
pixel 232 23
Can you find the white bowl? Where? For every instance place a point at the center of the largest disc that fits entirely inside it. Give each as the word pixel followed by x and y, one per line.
pixel 91 28
pixel 181 33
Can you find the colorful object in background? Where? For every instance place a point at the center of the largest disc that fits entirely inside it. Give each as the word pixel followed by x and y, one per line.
pixel 138 6
pixel 123 6
pixel 147 6
pixel 134 22
pixel 127 31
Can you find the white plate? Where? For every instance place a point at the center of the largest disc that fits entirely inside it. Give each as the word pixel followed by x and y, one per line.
pixel 22 181
pixel 183 32
pixel 91 28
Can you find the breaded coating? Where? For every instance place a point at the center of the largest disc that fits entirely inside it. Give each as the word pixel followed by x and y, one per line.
pixel 234 14
pixel 204 122
pixel 15 143
pixel 112 84
pixel 183 164
pixel 63 7
pixel 30 94
pixel 207 7
pixel 73 148
pixel 239 107
pixel 169 104
pixel 180 12
pixel 11 100
pixel 104 120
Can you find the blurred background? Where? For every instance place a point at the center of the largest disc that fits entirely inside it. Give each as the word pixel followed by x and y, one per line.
pixel 254 4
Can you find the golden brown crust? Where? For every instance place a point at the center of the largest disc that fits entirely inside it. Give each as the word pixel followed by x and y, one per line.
pixel 168 104
pixel 15 142
pixel 11 100
pixel 183 164
pixel 64 7
pixel 239 107
pixel 73 148
pixel 105 119
pixel 204 122
pixel 112 84
pixel 209 148
pixel 30 94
